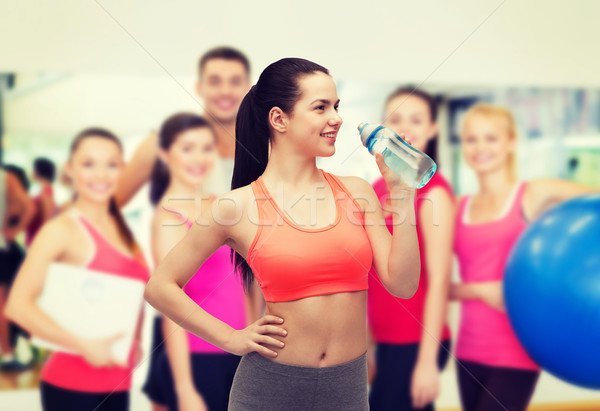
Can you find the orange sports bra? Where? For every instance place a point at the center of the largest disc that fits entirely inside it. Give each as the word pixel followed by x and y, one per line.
pixel 292 262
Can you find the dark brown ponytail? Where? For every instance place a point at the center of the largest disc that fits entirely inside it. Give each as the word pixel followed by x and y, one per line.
pixel 277 86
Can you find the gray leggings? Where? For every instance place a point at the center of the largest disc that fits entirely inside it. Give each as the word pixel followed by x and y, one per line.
pixel 261 384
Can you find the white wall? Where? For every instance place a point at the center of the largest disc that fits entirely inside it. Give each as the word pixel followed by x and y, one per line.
pixel 542 43
pixel 125 103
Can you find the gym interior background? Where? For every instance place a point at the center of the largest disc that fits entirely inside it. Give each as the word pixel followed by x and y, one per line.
pixel 66 65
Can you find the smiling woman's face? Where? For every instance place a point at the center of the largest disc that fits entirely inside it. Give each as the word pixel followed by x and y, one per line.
pixel 411 115
pixel 314 123
pixel 487 144
pixel 191 156
pixel 95 168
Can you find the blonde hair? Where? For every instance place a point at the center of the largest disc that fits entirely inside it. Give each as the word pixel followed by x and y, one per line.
pixel 499 112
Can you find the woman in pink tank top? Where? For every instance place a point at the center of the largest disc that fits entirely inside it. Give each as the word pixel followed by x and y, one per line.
pixel 193 374
pixel 92 234
pixel 411 339
pixel 494 371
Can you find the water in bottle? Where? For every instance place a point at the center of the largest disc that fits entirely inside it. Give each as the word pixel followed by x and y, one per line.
pixel 413 166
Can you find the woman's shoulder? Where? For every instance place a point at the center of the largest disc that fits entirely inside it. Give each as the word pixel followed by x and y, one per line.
pixel 357 186
pixel 65 220
pixel 238 195
pixel 233 203
pixel 539 187
pixel 58 231
pixel 538 193
pixel 360 190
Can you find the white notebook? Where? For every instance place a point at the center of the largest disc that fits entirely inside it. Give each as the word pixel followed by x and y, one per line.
pixel 92 304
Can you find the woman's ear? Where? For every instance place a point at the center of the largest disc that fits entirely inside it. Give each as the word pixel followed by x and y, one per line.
pixel 278 119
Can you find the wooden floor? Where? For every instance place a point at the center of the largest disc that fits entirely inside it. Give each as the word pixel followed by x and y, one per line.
pixel 566 406
pixel 30 379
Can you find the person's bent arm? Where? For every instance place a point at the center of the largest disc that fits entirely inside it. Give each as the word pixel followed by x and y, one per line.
pixel 546 193
pixel 164 290
pixel 138 169
pixel 22 308
pixel 395 257
pixel 490 292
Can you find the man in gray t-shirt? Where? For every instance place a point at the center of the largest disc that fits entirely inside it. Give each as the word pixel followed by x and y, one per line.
pixel 223 81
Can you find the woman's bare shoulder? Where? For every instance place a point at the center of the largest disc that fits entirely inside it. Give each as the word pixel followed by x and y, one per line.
pixel 356 185
pixel 58 232
pixel 233 203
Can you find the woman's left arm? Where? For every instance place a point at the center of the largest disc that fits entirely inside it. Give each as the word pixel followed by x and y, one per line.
pixel 541 194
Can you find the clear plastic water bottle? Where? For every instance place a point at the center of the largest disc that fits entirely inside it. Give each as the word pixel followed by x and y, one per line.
pixel 413 166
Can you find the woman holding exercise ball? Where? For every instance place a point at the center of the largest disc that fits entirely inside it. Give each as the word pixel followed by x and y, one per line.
pixel 494 371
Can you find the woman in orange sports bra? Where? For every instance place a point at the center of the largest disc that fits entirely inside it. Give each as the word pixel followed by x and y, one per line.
pixel 308 237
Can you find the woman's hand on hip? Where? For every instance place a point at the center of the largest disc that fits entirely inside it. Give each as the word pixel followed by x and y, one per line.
pixel 252 337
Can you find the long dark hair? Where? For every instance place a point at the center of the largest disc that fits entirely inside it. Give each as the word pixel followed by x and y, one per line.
pixel 432 145
pixel 277 86
pixel 171 128
pixel 113 208
pixel 44 168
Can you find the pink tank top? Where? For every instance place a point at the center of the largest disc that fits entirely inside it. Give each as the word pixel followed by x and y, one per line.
pixel 395 320
pixel 72 371
pixel 218 290
pixel 485 334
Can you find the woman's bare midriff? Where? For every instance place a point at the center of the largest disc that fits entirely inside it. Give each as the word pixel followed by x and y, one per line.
pixel 323 330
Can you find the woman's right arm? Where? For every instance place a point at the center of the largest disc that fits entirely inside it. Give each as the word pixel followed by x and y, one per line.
pixel 490 292
pixel 21 307
pixel 164 291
